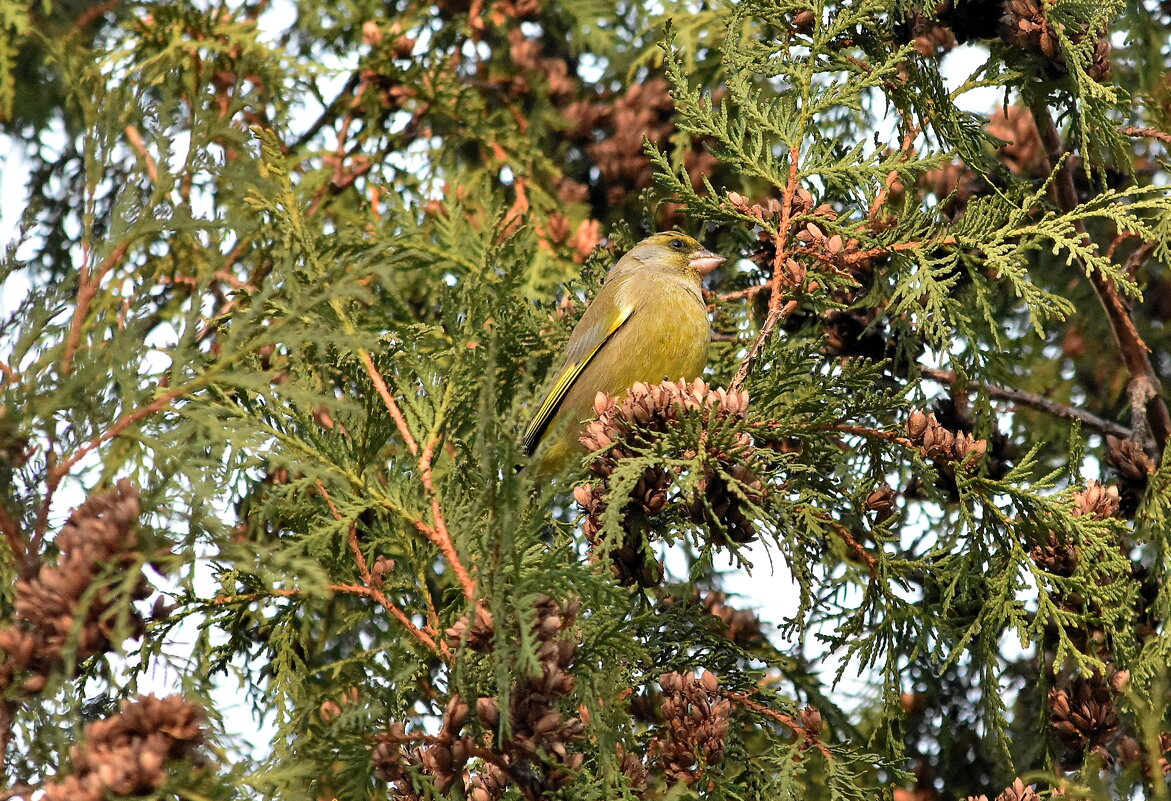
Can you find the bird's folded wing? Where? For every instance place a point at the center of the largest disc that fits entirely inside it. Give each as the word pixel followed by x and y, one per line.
pixel 595 334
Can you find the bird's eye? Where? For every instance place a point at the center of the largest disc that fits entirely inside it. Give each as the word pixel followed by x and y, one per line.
pixel 677 244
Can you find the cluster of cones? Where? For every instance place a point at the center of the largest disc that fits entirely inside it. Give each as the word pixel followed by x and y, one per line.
pixel 129 754
pixel 538 751
pixel 99 537
pixel 725 493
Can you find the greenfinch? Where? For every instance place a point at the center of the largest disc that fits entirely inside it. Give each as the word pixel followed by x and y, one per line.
pixel 648 323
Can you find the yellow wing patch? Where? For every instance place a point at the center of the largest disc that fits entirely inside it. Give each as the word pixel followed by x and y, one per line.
pixel 569 374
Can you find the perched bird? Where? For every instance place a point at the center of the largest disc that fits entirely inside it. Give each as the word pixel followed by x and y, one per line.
pixel 648 323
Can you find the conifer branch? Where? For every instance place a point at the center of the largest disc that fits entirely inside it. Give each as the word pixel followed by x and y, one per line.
pixel 874 433
pixel 438 648
pixel 1035 401
pixel 1150 133
pixel 86 291
pixel 61 469
pixel 437 532
pixel 770 322
pixel 1145 390
pixel 152 168
pixel 854 546
pixel 388 401
pixel 778 310
pixel 809 736
pixel 370 589
pixel 10 375
pixel 905 150
pixel 329 114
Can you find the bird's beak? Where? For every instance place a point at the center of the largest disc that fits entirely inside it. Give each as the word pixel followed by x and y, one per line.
pixel 705 261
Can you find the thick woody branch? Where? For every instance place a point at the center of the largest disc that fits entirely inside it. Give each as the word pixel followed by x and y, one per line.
pixel 1145 388
pixel 1034 401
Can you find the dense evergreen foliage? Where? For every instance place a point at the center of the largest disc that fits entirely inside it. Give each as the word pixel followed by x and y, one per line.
pixel 290 278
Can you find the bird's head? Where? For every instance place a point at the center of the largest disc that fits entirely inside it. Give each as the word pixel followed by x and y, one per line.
pixel 675 251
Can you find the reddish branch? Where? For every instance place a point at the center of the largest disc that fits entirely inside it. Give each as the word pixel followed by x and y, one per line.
pixel 1145 390
pixel 400 422
pixel 905 151
pixel 61 469
pixel 1151 133
pixel 10 375
pixel 85 294
pixel 874 433
pixel 810 737
pixel 436 531
pixel 152 169
pixel 778 310
pixel 87 17
pixel 369 587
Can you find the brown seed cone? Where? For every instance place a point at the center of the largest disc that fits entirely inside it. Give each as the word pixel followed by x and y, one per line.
pixel 518 10
pixel 1133 467
pixel 1018 791
pixel 479 635
pixel 881 501
pixel 957 184
pixel 937 442
pixel 1129 459
pixel 1083 716
pixel 613 131
pixel 1096 500
pixel 1023 151
pixel 1055 557
pixel 743 626
pixel 1025 25
pixel 1099 68
pixel 803 21
pixel 930 37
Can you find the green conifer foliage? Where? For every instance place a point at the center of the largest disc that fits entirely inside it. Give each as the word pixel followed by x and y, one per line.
pixel 288 279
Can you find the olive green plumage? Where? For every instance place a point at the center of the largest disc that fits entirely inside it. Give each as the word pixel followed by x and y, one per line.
pixel 648 323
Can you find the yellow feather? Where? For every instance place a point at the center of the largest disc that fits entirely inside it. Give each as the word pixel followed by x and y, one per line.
pixel 561 386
